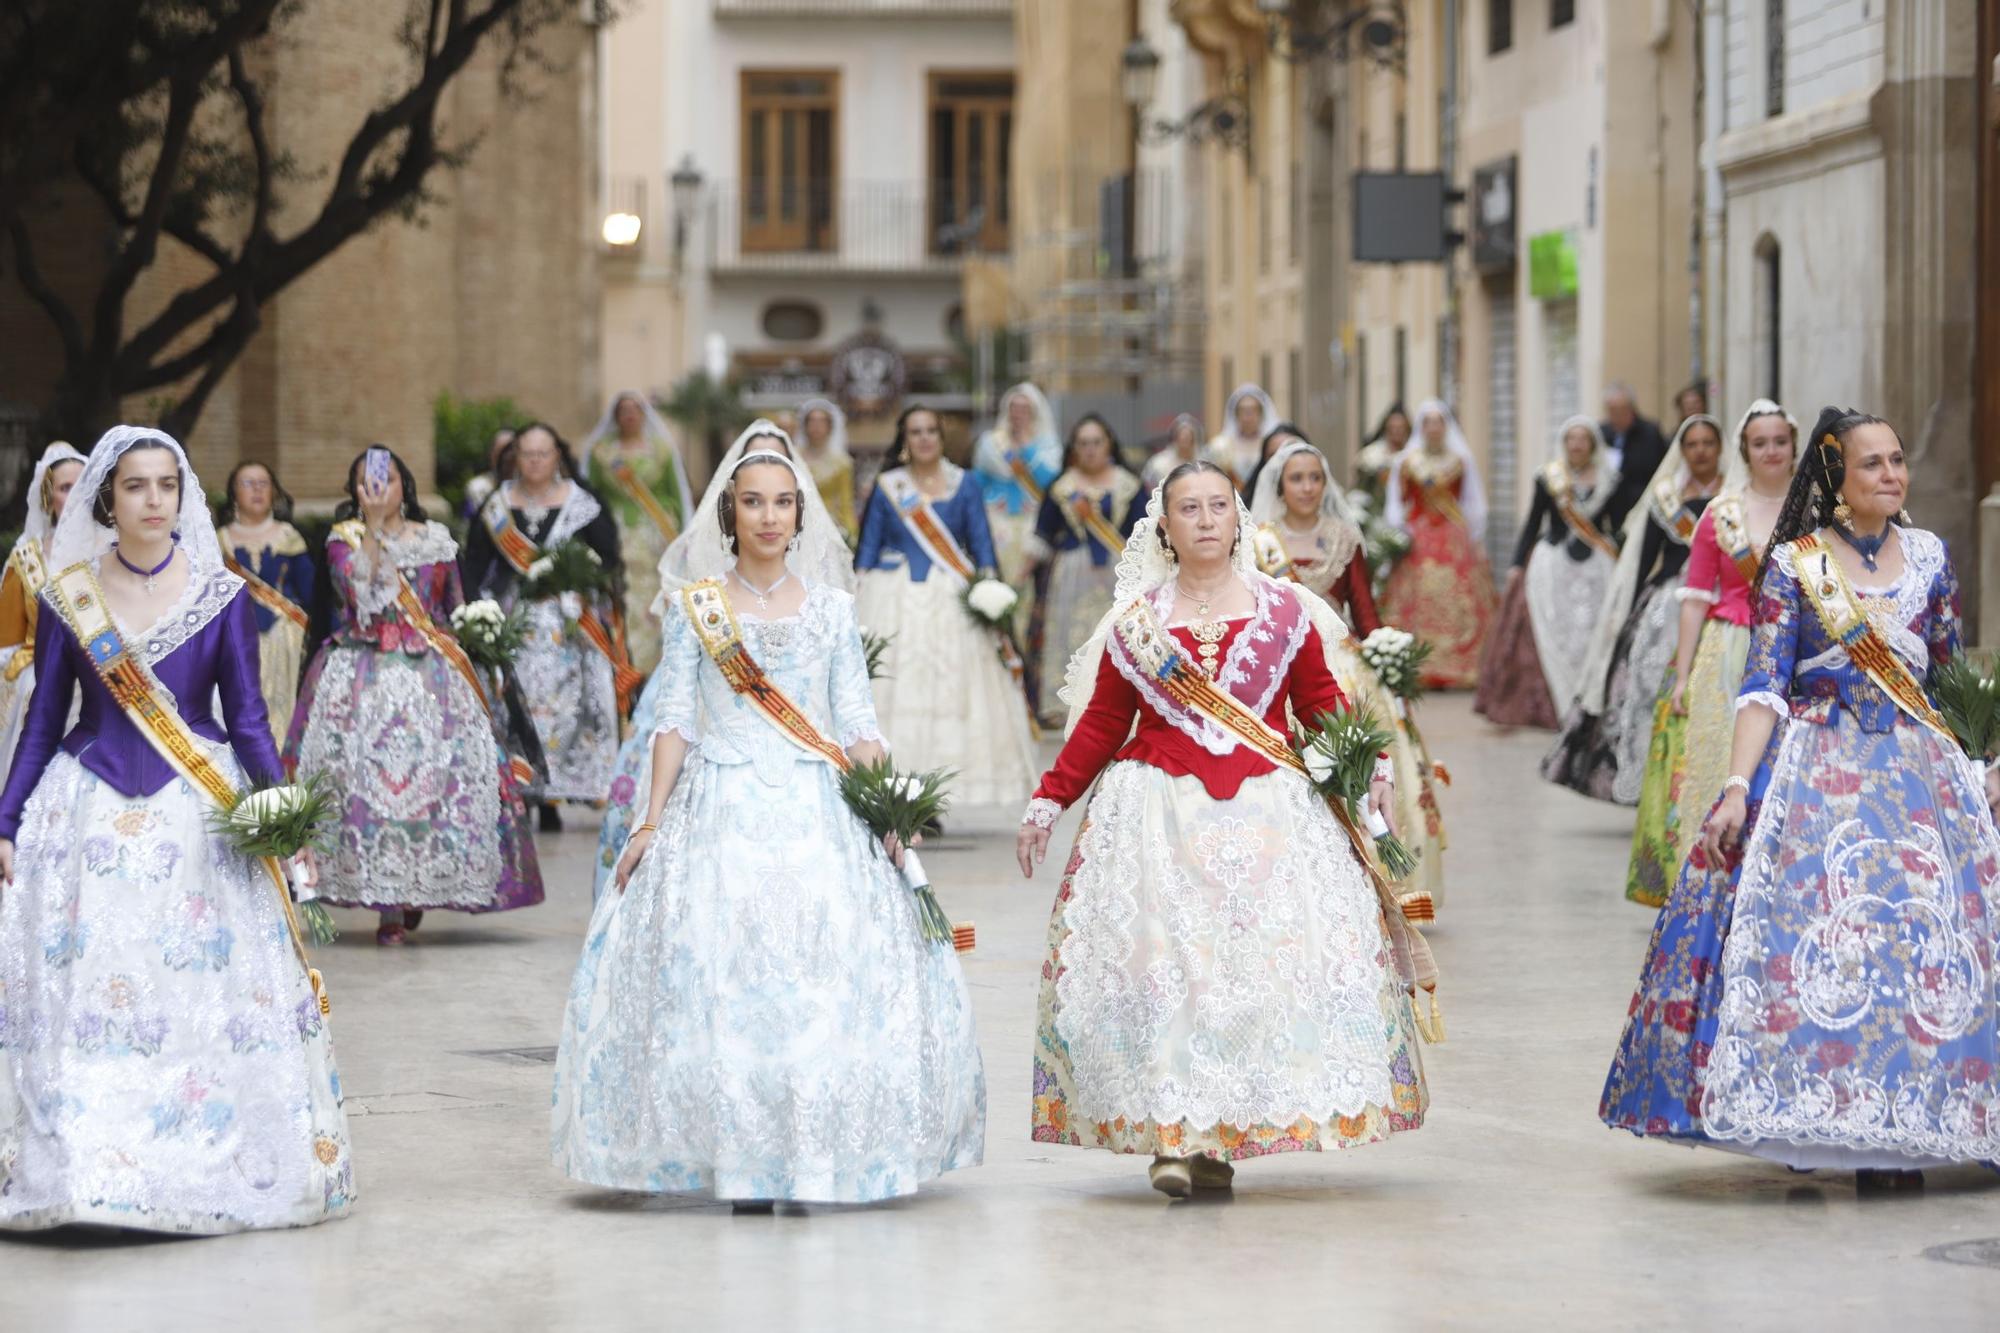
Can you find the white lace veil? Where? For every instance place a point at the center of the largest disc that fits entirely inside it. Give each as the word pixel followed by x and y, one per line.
pixel 1266 506
pixel 79 536
pixel 1266 424
pixel 1472 496
pixel 1624 588
pixel 1046 430
pixel 657 431
pixel 39 524
pixel 1142 567
pixel 702 552
pixel 1736 468
pixel 836 440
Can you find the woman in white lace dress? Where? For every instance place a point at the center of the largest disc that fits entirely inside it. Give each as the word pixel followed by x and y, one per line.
pixel 165 1064
pixel 1223 980
pixel 757 1013
pixel 432 815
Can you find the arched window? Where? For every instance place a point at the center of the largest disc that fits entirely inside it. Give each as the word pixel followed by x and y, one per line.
pixel 1767 310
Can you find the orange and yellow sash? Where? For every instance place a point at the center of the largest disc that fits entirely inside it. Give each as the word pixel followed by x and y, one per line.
pixel 29 567
pixel 520 551
pixel 627 477
pixel 1732 534
pixel 1846 622
pixel 1556 480
pixel 1084 510
pixel 156 713
pixel 265 595
pixel 443 643
pixel 1017 463
pixel 1676 515
pixel 715 626
pixel 1158 654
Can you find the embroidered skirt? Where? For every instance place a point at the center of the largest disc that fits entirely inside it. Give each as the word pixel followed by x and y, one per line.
pixel 1218 979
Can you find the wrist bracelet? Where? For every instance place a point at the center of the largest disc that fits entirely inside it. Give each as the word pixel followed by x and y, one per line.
pixel 1735 782
pixel 645 828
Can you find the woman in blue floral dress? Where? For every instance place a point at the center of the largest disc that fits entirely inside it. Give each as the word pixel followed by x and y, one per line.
pixel 1819 990
pixel 756 1012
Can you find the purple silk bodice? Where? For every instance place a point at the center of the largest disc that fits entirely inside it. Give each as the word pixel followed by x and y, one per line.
pixel 221 656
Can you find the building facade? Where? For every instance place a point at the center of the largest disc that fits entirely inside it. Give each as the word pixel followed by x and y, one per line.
pixel 808 178
pixel 1578 142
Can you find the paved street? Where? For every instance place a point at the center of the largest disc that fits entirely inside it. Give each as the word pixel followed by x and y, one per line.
pixel 1513 1209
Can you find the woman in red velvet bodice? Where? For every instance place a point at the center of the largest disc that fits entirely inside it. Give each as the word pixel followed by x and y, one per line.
pixel 1215 935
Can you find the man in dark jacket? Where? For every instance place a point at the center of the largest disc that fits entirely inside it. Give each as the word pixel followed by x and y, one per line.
pixel 1636 447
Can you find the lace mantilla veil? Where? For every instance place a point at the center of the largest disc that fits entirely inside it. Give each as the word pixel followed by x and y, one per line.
pixel 79 536
pixel 1142 569
pixel 702 552
pixel 37 526
pixel 657 429
pixel 1266 507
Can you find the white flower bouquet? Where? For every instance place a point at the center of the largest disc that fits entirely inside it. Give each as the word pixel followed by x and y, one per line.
pixel 490 636
pixel 1397 657
pixel 1340 749
pixel 282 822
pixel 570 567
pixel 991 603
pixel 903 804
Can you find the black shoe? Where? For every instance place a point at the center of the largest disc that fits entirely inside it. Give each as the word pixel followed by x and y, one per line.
pixel 1874 1183
pixel 551 819
pixel 751 1208
pixel 412 917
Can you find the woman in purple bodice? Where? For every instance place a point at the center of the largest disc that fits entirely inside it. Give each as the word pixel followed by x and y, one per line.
pixel 164 1063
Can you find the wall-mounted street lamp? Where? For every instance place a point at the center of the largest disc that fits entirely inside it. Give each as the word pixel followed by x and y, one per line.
pixel 621 230
pixel 685 187
pixel 1381 26
pixel 1225 119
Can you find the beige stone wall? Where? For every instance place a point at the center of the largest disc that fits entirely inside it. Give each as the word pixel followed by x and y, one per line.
pixel 492 292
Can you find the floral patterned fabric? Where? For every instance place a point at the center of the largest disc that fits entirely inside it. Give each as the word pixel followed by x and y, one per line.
pixel 758 1013
pixel 431 817
pixel 1218 981
pixel 1442 589
pixel 1835 1005
pixel 164 1065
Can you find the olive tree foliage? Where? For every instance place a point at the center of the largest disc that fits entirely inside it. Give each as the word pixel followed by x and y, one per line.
pixel 155 111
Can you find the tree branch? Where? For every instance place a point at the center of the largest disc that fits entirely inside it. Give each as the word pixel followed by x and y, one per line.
pixel 252 99
pixel 29 271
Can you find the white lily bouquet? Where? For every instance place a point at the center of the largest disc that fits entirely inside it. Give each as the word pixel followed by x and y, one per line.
pixel 991 603
pixel 903 804
pixel 1383 542
pixel 1397 657
pixel 1340 749
pixel 282 822
pixel 491 637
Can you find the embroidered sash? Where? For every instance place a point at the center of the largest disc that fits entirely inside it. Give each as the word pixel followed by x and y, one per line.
pixel 1676 516
pixel 265 595
pixel 933 536
pixel 446 645
pixel 1556 480
pixel 520 552
pixel 1017 463
pixel 1083 510
pixel 1272 557
pixel 1732 534
pixel 627 477
pixel 714 622
pixel 1846 622
pixel 1156 652
pixel 156 713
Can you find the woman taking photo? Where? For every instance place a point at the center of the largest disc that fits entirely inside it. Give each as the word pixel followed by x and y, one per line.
pixel 1085 518
pixel 1562 566
pixel 1442 589
pixel 1690 746
pixel 757 1013
pixel 165 1063
pixel 261 547
pixel 1820 988
pixel 1605 738
pixel 21 586
pixel 950 695
pixel 1225 979
pixel 571 668
pixel 431 811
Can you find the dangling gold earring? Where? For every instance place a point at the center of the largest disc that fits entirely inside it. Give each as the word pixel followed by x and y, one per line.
pixel 1843 515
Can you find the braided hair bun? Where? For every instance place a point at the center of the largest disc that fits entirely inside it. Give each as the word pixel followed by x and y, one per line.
pixel 1816 485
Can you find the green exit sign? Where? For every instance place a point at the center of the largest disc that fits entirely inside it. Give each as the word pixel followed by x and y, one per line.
pixel 1551 265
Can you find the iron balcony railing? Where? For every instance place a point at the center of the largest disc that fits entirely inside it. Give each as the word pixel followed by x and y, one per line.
pixel 848 226
pixel 1000 9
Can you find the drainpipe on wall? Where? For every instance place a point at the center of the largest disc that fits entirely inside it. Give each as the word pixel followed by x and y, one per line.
pixel 1713 276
